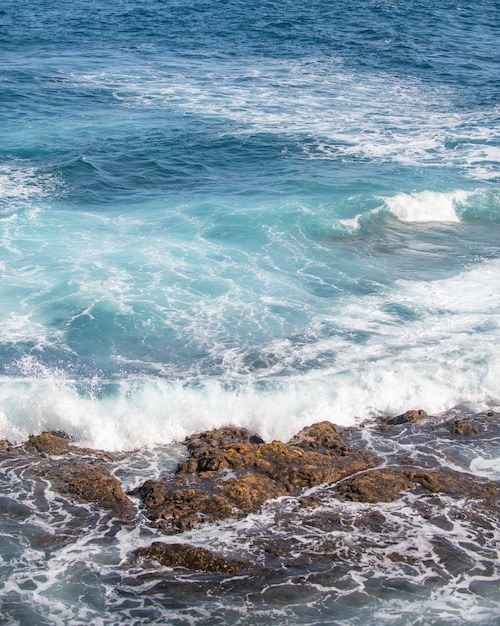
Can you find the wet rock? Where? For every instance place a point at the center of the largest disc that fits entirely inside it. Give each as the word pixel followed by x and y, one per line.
pixel 458 484
pixel 310 502
pixel 322 436
pixel 409 417
pixel 49 443
pixel 462 428
pixel 232 472
pixel 190 557
pixel 80 473
pixel 171 505
pixel 219 438
pixel 388 484
pixel 380 485
pixel 93 484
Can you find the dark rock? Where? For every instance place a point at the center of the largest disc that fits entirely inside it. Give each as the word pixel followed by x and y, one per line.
pixel 231 472
pixel 310 502
pixel 173 505
pixel 79 472
pixel 321 437
pixel 458 484
pixel 190 557
pixel 228 477
pixel 212 460
pixel 378 485
pixel 220 438
pixel 387 485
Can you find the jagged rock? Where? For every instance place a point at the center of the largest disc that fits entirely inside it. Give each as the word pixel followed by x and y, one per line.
pixel 321 436
pixel 190 557
pixel 387 485
pixel 49 443
pixel 93 484
pixel 409 417
pixel 232 472
pixel 463 428
pixel 173 505
pixel 220 438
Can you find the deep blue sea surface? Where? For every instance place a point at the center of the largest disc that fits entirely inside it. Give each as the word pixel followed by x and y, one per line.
pixel 259 213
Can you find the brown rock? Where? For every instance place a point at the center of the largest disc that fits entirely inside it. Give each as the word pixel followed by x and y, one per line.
pixel 457 484
pixel 248 493
pixel 49 443
pixel 410 417
pixel 94 484
pixel 387 485
pixel 220 438
pixel 226 476
pixel 212 460
pixel 462 428
pixel 321 436
pixel 378 485
pixel 190 557
pixel 171 505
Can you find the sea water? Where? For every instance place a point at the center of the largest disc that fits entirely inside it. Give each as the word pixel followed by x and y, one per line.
pixel 263 214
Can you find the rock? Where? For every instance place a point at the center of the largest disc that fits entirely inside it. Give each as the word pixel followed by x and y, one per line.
pixel 379 485
pixel 93 484
pixel 220 438
pixel 49 443
pixel 172 505
pixel 462 428
pixel 457 484
pixel 232 472
pixel 190 557
pixel 410 417
pixel 81 473
pixel 322 436
pixel 387 485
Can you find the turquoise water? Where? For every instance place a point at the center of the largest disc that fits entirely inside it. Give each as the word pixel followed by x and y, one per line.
pixel 213 212
pixel 263 213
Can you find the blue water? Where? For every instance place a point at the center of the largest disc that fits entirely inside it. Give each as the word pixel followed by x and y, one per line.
pixel 264 213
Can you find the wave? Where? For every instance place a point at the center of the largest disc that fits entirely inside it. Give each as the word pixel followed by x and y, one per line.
pixel 427 206
pixel 480 205
pixel 445 354
pixel 149 412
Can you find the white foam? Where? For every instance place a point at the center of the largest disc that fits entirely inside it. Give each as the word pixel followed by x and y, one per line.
pixel 21 184
pixel 351 225
pixel 373 116
pixel 427 206
pixel 447 353
pixel 487 467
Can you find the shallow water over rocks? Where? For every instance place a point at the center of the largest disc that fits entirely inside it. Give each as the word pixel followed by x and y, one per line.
pixel 337 522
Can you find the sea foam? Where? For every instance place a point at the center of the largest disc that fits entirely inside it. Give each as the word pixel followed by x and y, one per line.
pixel 427 206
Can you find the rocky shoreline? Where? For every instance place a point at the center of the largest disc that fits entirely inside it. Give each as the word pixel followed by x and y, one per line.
pixel 230 473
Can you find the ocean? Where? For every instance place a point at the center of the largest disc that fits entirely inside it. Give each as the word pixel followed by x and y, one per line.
pixel 262 214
